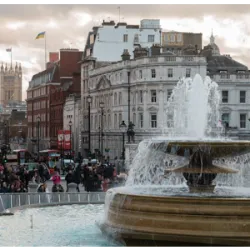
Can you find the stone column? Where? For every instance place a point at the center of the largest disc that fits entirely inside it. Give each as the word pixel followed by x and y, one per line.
pixel 160 115
pixel 145 113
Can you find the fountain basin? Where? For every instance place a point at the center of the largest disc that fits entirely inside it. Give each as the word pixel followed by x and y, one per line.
pixel 143 219
pixel 218 148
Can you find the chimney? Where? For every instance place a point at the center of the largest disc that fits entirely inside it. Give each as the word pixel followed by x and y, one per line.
pixel 53 57
pixel 140 52
pixel 155 50
pixel 125 55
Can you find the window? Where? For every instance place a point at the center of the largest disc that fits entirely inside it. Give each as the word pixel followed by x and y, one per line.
pixel 136 38
pixel 120 98
pixel 169 93
pixel 179 38
pixel 224 96
pixel 188 72
pixel 153 120
pixel 153 74
pixel 125 38
pixel 134 118
pixel 140 73
pixel 170 121
pixel 242 96
pixel 115 99
pixel 109 121
pixel 225 119
pixel 141 120
pixel 172 37
pixel 151 38
pixel 153 95
pixel 115 121
pixel 91 39
pixel 141 96
pixel 170 72
pixel 120 119
pixel 243 120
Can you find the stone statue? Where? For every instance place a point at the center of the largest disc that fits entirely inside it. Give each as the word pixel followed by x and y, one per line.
pixel 130 132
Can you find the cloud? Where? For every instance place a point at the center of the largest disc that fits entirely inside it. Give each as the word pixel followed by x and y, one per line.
pixel 68 25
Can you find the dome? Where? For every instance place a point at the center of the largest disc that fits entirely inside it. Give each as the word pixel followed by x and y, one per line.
pixel 214 46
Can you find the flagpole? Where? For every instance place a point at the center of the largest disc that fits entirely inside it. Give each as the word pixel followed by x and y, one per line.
pixel 11 58
pixel 45 49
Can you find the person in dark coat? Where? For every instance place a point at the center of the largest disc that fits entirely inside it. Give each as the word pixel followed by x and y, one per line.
pixel 69 178
pixel 77 176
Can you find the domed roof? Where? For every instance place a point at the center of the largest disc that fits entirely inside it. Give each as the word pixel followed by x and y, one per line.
pixel 214 46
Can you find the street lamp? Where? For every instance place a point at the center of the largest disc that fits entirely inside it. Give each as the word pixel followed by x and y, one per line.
pixel 70 127
pixel 5 129
pixel 123 128
pixel 101 105
pixel 128 102
pixel 38 137
pixel 89 100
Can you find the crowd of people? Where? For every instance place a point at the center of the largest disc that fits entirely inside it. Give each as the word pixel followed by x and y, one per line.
pixel 95 177
pixel 15 178
pixel 92 176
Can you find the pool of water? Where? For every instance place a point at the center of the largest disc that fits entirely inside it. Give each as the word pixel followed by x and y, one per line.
pixel 74 225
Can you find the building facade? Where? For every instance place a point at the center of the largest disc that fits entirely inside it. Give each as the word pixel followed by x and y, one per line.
pixel 46 97
pixel 71 114
pixel 70 83
pixel 10 84
pixel 177 42
pixel 233 79
pixel 38 108
pixel 151 81
pixel 107 42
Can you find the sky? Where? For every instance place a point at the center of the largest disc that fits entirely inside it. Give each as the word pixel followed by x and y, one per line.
pixel 68 26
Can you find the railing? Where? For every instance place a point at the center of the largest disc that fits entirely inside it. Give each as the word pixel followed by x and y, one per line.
pixel 11 200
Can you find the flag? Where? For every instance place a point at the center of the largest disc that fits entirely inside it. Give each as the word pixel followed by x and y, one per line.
pixel 40 35
pixel 9 49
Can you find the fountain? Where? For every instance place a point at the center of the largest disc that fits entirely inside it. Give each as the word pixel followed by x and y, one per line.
pixel 171 196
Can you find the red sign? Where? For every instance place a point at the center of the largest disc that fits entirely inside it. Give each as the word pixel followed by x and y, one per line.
pixel 64 141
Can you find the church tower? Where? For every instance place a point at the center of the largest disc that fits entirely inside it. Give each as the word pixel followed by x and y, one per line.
pixel 10 83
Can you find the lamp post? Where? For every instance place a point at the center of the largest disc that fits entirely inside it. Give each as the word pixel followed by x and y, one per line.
pixel 5 130
pixel 38 137
pixel 89 100
pixel 226 127
pixel 70 138
pixel 102 111
pixel 123 128
pixel 128 102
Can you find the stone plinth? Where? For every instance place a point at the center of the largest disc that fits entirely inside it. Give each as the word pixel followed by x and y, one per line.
pixel 166 221
pixel 130 152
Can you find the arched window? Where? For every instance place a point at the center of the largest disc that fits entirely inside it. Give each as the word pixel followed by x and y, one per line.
pixel 109 121
pixel 115 121
pixel 120 98
pixel 134 119
pixel 115 99
pixel 120 119
pixel 96 123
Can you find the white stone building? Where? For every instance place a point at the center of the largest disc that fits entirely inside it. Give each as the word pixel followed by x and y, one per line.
pixel 71 112
pixel 107 42
pixel 151 81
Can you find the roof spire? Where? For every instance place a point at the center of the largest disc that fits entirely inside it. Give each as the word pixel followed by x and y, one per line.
pixel 212 37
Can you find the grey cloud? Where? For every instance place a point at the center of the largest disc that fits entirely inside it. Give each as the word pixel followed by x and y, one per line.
pixel 36 12
pixel 37 16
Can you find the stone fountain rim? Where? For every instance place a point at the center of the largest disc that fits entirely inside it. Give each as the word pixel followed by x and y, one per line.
pixel 183 197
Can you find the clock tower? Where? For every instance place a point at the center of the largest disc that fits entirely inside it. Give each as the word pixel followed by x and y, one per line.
pixel 10 83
